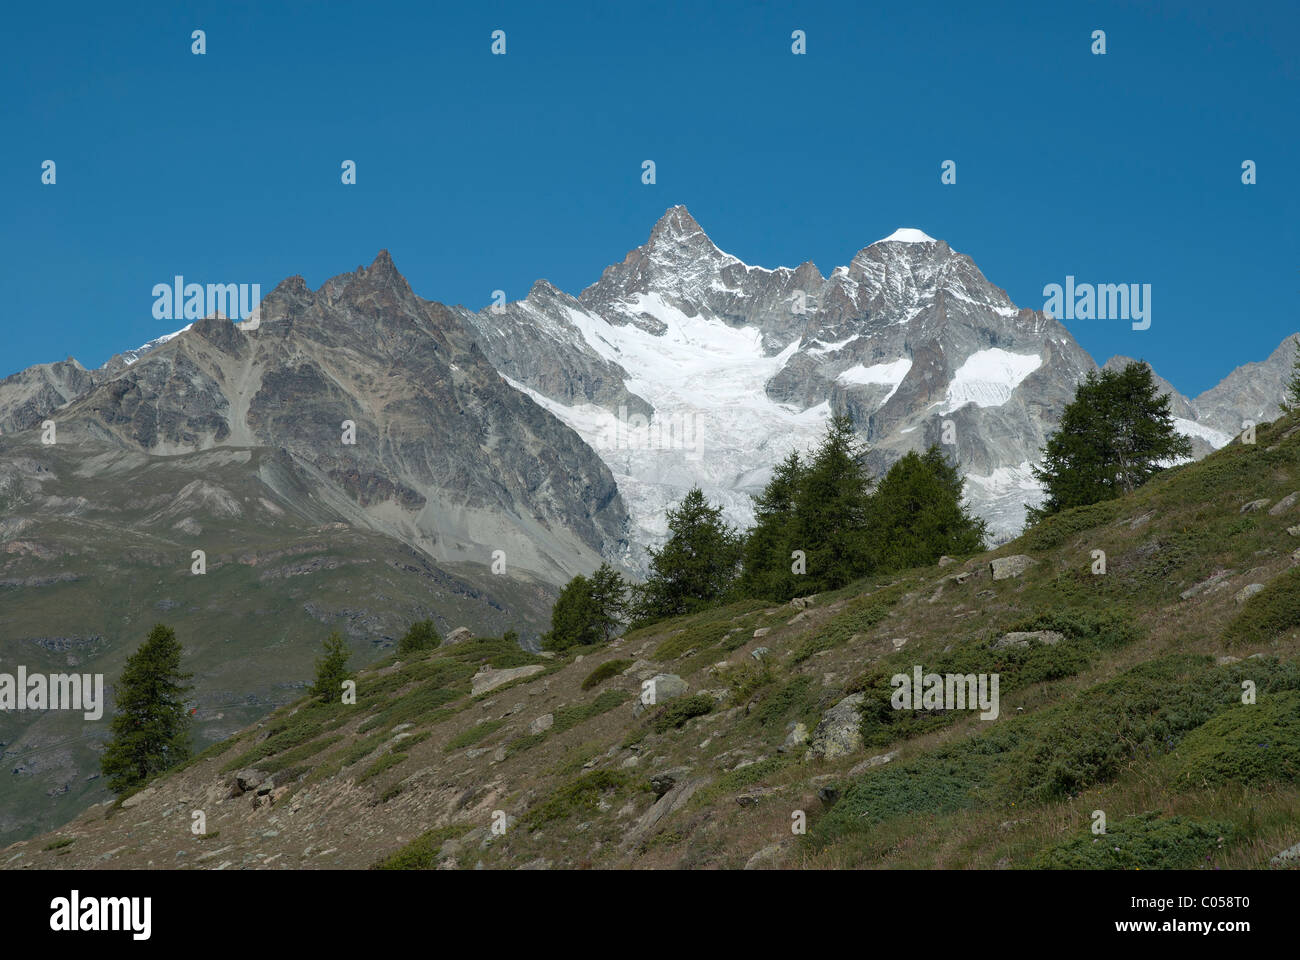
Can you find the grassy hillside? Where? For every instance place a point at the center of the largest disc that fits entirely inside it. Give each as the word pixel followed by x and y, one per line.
pixel 1134 709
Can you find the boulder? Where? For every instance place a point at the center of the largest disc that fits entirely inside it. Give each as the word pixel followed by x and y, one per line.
pixel 542 723
pixel 758 653
pixel 459 635
pixel 665 780
pixel 838 733
pixel 665 687
pixel 1253 506
pixel 248 779
pixel 762 632
pixel 766 857
pixel 1288 857
pixel 672 801
pixel 1285 504
pixel 1216 581
pixel 945 560
pixel 876 761
pixel 1046 637
pixel 797 737
pixel 1004 568
pixel 1248 591
pixel 490 679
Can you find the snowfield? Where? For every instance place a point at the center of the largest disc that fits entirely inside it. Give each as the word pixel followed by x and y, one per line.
pixel 988 377
pixel 713 425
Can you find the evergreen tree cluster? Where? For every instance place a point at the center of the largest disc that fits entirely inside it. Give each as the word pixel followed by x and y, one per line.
pixel 819 524
pixel 822 524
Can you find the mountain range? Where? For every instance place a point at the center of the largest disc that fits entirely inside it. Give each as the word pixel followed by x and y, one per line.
pixel 366 457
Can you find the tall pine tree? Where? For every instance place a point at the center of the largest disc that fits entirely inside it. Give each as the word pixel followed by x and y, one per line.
pixel 150 727
pixel 1114 436
pixel 766 557
pixel 831 511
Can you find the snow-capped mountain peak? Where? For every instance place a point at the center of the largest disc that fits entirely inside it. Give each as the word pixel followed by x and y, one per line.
pixel 907 235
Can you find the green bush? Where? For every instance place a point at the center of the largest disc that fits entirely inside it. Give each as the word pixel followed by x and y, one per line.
pixel 472 735
pixel 610 668
pixel 422 852
pixel 570 716
pixel 1243 744
pixel 1269 613
pixel 1143 842
pixel 1054 530
pixel 677 712
pixel 793 700
pixel 942 782
pixel 386 762
pixel 581 794
pixel 420 637
pixel 1017 667
pixel 859 616
pixel 1144 713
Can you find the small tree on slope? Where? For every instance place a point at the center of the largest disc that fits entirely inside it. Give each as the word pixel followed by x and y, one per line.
pixel 150 727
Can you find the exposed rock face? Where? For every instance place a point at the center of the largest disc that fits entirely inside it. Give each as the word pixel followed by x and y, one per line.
pixel 1251 392
pixel 30 396
pixel 384 400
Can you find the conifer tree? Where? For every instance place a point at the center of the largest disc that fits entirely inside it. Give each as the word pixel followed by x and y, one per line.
pixel 1114 436
pixel 1291 399
pixel 766 557
pixel 608 601
pixel 696 566
pixel 150 726
pixel 831 510
pixel 420 636
pixel 573 617
pixel 918 514
pixel 332 669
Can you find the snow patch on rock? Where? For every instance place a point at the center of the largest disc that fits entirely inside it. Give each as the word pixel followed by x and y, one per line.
pixel 988 377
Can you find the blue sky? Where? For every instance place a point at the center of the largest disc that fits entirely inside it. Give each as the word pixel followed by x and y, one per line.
pixel 482 172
